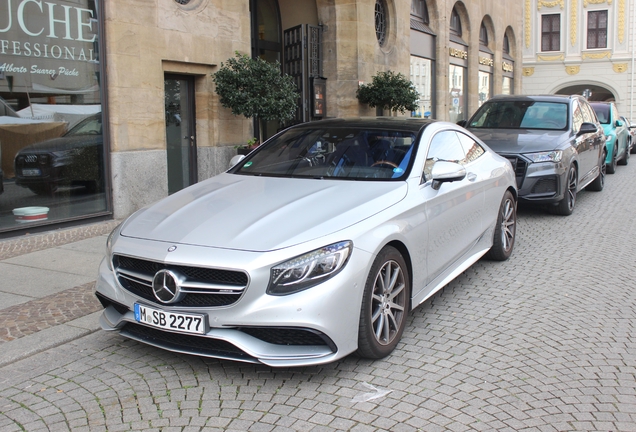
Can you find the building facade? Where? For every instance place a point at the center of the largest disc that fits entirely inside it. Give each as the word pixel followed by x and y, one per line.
pixel 110 106
pixel 581 47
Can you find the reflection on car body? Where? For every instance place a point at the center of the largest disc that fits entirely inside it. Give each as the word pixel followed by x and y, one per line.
pixel 315 245
pixel 555 144
pixel 73 159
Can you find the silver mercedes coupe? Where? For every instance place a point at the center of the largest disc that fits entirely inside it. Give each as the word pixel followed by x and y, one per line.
pixel 314 246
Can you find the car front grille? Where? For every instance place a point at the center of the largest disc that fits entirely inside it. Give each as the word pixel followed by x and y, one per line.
pixel 203 287
pixel 519 166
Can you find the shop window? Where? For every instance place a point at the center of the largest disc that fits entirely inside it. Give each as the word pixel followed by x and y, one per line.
pixel 597 29
pixel 422 79
pixel 52 145
pixel 551 32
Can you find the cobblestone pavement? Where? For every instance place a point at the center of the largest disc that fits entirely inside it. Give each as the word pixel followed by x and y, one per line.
pixel 541 342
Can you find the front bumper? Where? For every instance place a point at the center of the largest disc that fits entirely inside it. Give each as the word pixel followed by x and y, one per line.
pixel 314 326
pixel 539 183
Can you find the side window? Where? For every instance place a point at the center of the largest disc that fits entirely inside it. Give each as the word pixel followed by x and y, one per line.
pixel 445 146
pixel 472 149
pixel 577 117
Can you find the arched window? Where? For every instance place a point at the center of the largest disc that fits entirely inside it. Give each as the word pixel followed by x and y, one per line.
pixel 419 11
pixel 483 35
pixel 455 23
pixel 506 45
pixel 381 21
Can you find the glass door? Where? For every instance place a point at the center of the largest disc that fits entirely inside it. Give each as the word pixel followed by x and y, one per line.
pixel 180 132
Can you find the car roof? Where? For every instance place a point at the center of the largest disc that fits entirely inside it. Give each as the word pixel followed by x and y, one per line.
pixel 537 98
pixel 412 124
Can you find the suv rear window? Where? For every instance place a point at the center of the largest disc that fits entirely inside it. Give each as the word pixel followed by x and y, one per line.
pixel 521 115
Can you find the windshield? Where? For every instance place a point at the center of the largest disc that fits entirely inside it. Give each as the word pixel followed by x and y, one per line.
pixel 89 126
pixel 525 114
pixel 336 153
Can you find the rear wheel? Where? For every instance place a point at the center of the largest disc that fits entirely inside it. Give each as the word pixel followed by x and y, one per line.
pixel 565 207
pixel 385 305
pixel 625 159
pixel 504 238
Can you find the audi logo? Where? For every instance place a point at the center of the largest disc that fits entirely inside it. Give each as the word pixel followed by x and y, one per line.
pixel 30 158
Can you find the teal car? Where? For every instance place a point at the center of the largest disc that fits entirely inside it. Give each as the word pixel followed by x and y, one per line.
pixel 616 133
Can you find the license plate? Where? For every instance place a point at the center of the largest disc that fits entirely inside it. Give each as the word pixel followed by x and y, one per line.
pixel 174 321
pixel 30 172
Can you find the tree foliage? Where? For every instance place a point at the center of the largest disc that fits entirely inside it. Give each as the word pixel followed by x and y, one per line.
pixel 391 91
pixel 255 88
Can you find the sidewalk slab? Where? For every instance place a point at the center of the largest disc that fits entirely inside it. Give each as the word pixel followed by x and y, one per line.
pixel 31 282
pixel 48 338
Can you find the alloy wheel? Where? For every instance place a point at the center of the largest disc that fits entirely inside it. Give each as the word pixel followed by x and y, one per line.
pixel 508 221
pixel 571 193
pixel 389 302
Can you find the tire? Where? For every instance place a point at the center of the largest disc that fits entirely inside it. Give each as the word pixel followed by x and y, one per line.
pixel 611 168
pixel 633 149
pixel 599 182
pixel 625 158
pixel 385 305
pixel 504 238
pixel 565 207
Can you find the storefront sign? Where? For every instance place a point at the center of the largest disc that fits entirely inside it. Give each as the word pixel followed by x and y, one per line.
pixel 36 29
pixel 507 67
pixel 486 61
pixel 454 52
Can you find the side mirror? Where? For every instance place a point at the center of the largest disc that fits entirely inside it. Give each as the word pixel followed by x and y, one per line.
pixel 587 128
pixel 619 123
pixel 236 159
pixel 444 171
pixel 462 123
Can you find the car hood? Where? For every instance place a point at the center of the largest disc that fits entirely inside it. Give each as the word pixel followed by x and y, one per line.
pixel 517 141
pixel 63 143
pixel 261 213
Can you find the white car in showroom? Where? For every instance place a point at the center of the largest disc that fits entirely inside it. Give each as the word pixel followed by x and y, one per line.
pixel 314 246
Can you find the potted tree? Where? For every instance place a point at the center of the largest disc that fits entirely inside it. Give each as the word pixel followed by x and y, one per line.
pixel 389 91
pixel 255 88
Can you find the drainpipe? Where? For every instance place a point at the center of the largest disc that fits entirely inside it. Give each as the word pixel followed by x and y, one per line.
pixel 631 97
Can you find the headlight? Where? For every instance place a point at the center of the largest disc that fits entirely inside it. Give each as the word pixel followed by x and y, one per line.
pixel 550 156
pixel 310 269
pixel 109 244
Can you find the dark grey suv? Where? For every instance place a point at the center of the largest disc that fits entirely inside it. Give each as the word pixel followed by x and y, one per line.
pixel 555 144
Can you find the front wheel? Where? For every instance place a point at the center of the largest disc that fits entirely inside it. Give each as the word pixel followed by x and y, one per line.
pixel 504 238
pixel 565 207
pixel 385 305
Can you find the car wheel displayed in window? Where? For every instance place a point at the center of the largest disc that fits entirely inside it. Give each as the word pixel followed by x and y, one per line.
pixel 385 305
pixel 565 207
pixel 599 182
pixel 504 238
